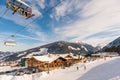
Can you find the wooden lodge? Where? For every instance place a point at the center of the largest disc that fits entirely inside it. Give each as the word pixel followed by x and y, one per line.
pixel 51 61
pixel 42 63
pixel 71 59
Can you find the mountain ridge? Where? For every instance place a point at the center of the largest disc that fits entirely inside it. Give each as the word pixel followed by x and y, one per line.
pixel 58 47
pixel 113 46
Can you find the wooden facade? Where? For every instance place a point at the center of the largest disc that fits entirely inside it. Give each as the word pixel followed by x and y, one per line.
pixel 59 62
pixel 44 65
pixel 70 60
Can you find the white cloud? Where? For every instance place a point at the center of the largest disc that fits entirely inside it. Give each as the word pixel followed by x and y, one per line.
pixel 97 16
pixel 36 3
pixel 66 7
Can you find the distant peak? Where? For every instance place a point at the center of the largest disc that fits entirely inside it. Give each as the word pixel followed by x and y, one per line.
pixel 61 41
pixel 78 41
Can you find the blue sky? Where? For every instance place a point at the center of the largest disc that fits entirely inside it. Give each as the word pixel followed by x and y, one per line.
pixel 90 21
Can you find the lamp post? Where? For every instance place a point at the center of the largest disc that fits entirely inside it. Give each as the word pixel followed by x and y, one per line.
pixel 48 67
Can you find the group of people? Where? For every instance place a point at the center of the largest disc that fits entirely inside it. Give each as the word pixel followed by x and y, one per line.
pixel 84 66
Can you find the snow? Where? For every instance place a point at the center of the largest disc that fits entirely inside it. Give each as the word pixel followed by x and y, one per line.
pixel 73 74
pixel 22 54
pixel 106 71
pixel 47 58
pixel 100 46
pixel 116 42
pixel 84 48
pixel 51 57
pixel 42 51
pixel 35 76
pixel 96 70
pixel 63 55
pixel 7 68
pixel 71 54
pixel 78 48
pixel 72 48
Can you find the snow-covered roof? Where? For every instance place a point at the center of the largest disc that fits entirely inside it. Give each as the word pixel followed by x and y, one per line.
pixel 46 58
pixel 51 57
pixel 64 55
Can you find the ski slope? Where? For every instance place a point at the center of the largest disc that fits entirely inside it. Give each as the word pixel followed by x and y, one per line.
pixel 97 70
pixel 107 71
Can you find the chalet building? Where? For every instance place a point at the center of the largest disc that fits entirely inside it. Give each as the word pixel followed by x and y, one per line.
pixel 51 61
pixel 71 59
pixel 43 63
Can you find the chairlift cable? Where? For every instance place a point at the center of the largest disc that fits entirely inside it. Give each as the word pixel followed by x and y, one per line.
pixel 4 14
pixel 1 4
pixel 38 17
pixel 35 19
pixel 1 9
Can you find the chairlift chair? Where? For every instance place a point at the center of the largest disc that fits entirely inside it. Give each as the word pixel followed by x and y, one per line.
pixel 20 7
pixel 10 42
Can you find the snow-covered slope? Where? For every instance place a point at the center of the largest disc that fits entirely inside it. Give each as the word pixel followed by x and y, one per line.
pixel 116 42
pixel 113 46
pixel 2 54
pixel 107 71
pixel 40 52
pixel 19 55
pixel 96 70
pixel 100 46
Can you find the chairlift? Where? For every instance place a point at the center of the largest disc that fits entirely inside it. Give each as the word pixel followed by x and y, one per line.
pixel 20 7
pixel 10 42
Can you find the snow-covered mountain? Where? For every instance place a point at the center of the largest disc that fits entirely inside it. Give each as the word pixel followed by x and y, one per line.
pixel 59 47
pixel 113 46
pixel 116 42
pixel 3 54
pixel 100 46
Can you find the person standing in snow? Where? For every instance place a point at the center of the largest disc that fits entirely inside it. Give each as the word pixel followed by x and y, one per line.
pixel 84 67
pixel 77 68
